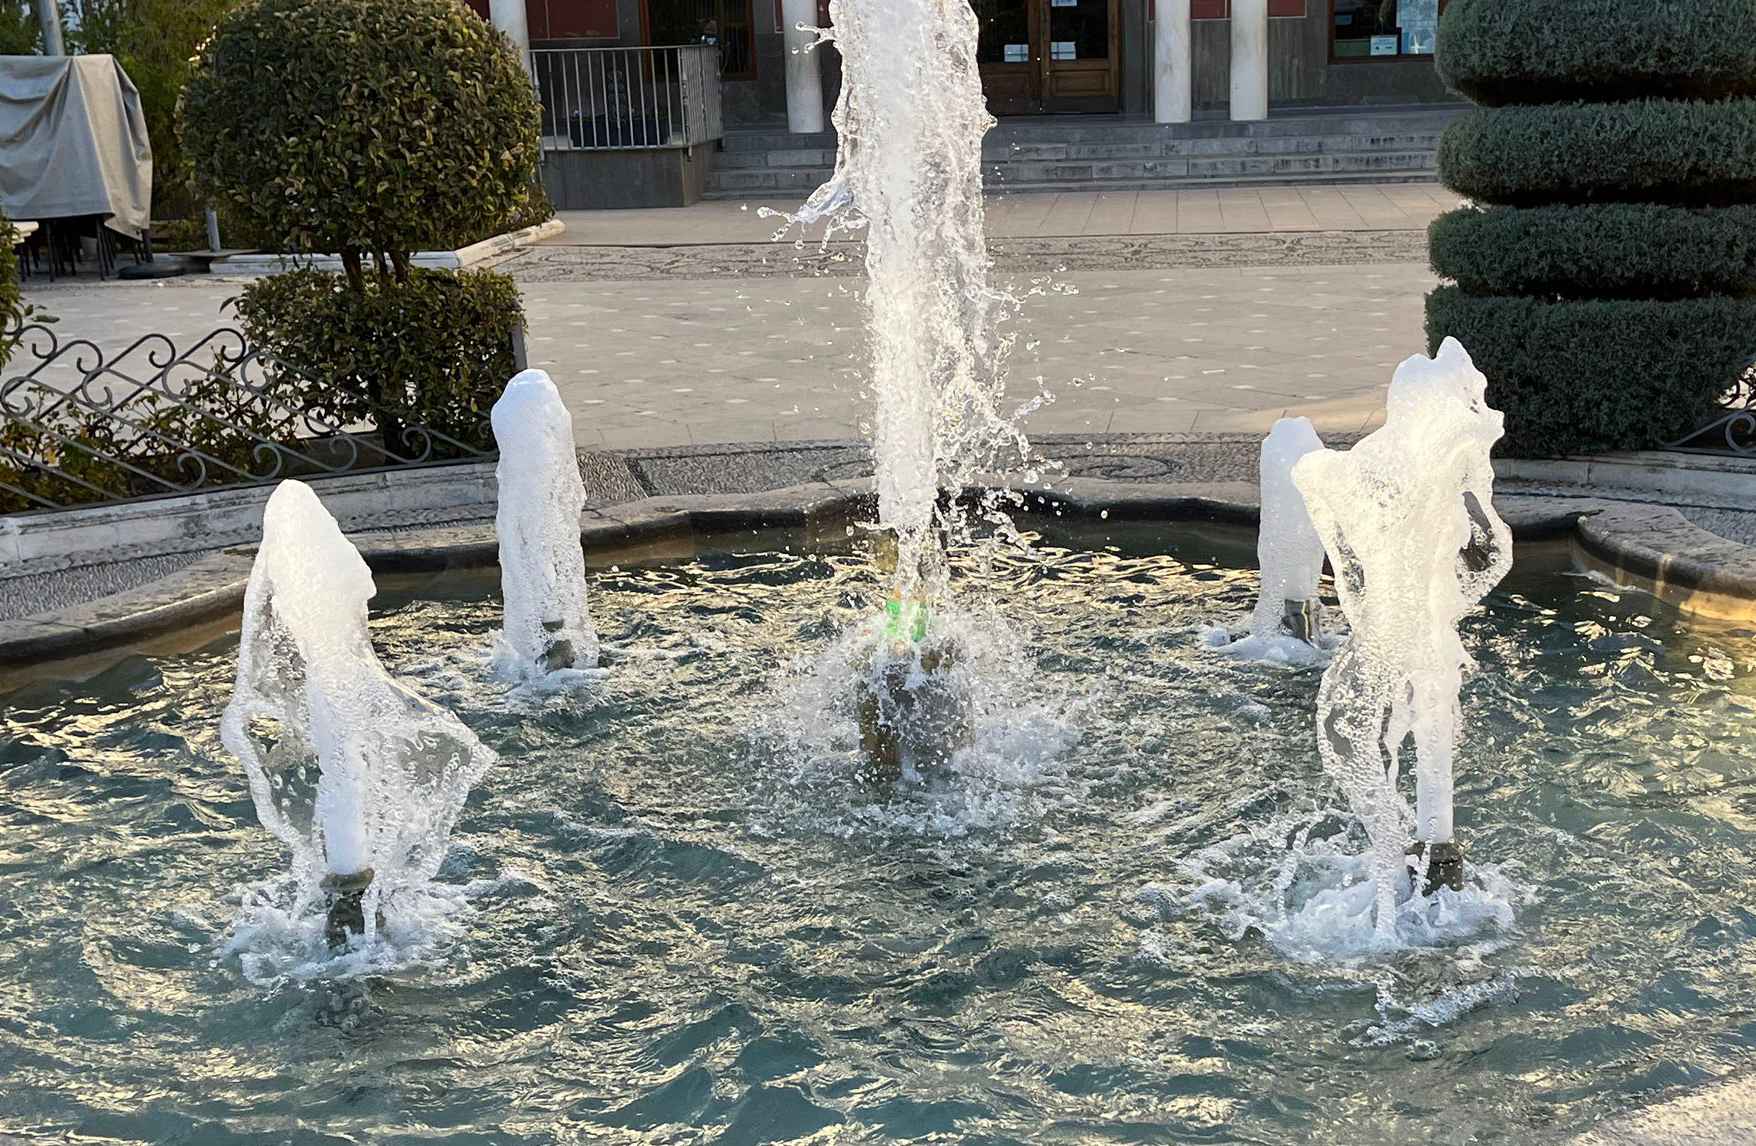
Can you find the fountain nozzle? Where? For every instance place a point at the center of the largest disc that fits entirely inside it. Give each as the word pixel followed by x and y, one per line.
pixel 347 908
pixel 1444 864
pixel 1303 619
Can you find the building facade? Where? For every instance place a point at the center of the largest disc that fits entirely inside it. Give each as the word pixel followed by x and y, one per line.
pixel 1156 59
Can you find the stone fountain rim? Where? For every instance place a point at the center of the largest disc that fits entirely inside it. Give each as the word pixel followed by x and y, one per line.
pixel 1649 547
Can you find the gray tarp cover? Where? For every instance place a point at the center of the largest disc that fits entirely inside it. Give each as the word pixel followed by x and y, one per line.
pixel 73 141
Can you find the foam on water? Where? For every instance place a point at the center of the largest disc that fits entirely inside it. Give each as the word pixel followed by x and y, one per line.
pixel 351 770
pixel 1305 884
pixel 548 630
pixel 1012 764
pixel 1408 521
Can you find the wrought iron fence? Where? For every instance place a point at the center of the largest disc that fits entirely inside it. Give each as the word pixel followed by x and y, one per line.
pixel 83 427
pixel 1733 430
pixel 610 99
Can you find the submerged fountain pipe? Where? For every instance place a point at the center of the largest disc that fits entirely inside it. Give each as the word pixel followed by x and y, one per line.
pixel 1408 521
pixel 360 777
pixel 1288 549
pixel 542 565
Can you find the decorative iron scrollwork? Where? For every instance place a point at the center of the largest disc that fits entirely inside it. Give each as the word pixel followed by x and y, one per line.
pixel 83 427
pixel 1733 428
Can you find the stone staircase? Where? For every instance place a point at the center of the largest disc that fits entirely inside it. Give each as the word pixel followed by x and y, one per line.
pixel 1106 153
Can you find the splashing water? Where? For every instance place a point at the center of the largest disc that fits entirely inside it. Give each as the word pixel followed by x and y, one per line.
pixel 1287 546
pixel 360 777
pixel 1290 555
pixel 1408 521
pixel 548 625
pixel 911 117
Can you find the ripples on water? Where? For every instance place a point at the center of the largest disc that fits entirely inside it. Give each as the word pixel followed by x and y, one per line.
pixel 688 919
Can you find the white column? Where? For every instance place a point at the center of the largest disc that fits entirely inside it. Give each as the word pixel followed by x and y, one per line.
pixel 508 18
pixel 1249 59
pixel 804 69
pixel 1173 77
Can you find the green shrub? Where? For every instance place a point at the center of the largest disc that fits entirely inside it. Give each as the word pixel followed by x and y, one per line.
pixel 1610 250
pixel 434 351
pixel 20 34
pixel 1551 51
pixel 375 126
pixel 1604 374
pixel 1652 150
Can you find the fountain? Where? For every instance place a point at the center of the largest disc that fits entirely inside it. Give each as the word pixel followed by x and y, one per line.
pixel 360 777
pixel 1286 626
pixel 1287 546
pixel 548 627
pixel 911 116
pixel 1408 521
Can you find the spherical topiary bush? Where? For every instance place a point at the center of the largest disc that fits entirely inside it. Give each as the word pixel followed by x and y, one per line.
pixel 382 126
pixel 1604 274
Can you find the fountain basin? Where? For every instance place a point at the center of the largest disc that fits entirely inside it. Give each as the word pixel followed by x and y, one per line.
pixel 684 916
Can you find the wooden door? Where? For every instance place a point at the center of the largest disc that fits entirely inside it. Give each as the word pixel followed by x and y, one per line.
pixel 1080 61
pixel 1007 54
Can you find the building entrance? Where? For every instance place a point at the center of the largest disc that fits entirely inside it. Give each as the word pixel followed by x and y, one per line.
pixel 1050 55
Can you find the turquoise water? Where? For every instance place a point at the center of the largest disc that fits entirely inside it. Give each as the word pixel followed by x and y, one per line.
pixel 683 917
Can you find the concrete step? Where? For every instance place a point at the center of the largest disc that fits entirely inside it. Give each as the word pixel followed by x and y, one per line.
pixel 1220 174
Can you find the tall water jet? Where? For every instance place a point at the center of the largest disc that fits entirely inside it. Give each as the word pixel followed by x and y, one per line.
pixel 359 776
pixel 1288 549
pixel 911 117
pixel 547 624
pixel 1408 521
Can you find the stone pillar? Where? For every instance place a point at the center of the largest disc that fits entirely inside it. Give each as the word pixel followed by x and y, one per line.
pixel 49 20
pixel 508 19
pixel 804 69
pixel 1173 76
pixel 1249 59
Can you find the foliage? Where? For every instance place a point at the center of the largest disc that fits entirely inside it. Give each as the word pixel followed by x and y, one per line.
pixel 20 34
pixel 1600 374
pixel 1605 280
pixel 154 40
pixel 1550 51
pixel 1606 250
pixel 434 351
pixel 1680 151
pixel 362 126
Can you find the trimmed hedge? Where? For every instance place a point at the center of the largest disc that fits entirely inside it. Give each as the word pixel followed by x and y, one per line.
pixel 1668 151
pixel 1550 51
pixel 434 351
pixel 1610 250
pixel 362 125
pixel 1576 377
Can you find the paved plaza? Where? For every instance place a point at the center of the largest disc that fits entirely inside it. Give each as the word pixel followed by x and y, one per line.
pixel 692 352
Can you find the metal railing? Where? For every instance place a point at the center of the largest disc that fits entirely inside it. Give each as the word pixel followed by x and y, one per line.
pixel 80 427
pixel 1732 428
pixel 619 99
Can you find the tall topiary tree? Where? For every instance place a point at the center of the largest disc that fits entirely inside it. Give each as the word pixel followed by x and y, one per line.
pixel 362 127
pixel 1604 277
